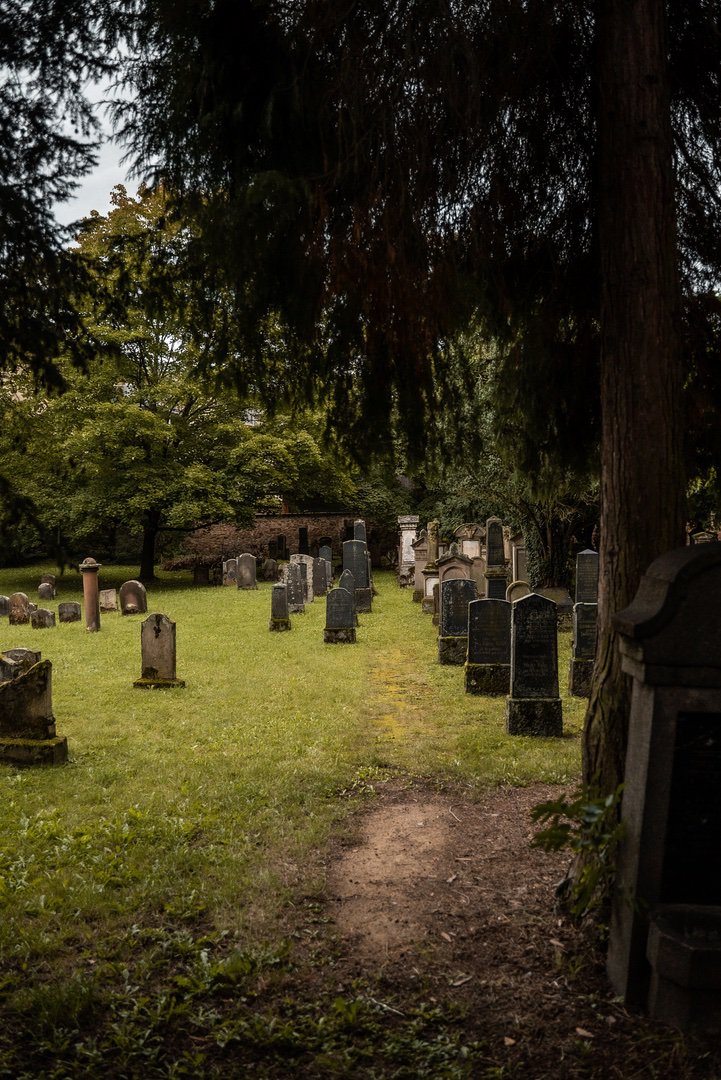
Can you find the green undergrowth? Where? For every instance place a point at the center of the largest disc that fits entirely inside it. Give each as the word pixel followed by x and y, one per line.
pixel 151 888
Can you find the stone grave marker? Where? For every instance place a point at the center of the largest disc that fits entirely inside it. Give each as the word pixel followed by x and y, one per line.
pixel 436 603
pixel 306 561
pixel 269 570
pixel 519 562
pixel 320 581
pixel 495 573
pixel 42 619
pixel 27 725
pixel 407 526
pixel 339 618
pixel 157 649
pixel 4 605
pixel 583 652
pixel 587 577
pixel 296 590
pixel 108 599
pixel 89 570
pixel 665 934
pixel 133 598
pixel 69 611
pixel 247 571
pixel 230 572
pixel 355 559
pixel 46 591
pixel 453 565
pixel 48 579
pixel 18 609
pixel 279 608
pixel 325 551
pixel 488 663
pixel 516 590
pixel 347 582
pixel 455 596
pixel 534 707
pixel 420 556
pixel 359 531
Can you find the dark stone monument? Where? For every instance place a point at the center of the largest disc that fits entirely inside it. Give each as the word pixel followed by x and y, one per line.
pixel 455 596
pixel 488 666
pixel 584 649
pixel 69 611
pixel 320 579
pixel 18 609
pixel 587 577
pixel 665 938
pixel 133 598
pixel 296 589
pixel 269 570
pixel 534 707
pixel 495 573
pixel 247 571
pixel 346 581
pixel 326 552
pixel 355 559
pixel 303 548
pixel 279 608
pixel 4 605
pixel 359 531
pixel 339 618
pixel 42 619
pixel 230 572
pixel 157 647
pixel 46 591
pixel 27 724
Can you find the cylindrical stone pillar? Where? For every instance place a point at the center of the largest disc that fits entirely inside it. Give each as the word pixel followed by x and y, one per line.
pixel 91 597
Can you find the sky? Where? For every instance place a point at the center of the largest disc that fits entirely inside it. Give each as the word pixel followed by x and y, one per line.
pixel 94 192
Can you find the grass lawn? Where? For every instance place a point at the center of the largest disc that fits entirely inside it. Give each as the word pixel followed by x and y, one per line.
pixel 144 885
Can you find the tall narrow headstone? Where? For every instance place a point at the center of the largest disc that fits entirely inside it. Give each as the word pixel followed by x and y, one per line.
pixel 359 531
pixel 455 596
pixel 346 581
pixel 306 561
pixel 420 556
pixel 157 646
pixel 587 577
pixel 18 609
pixel 488 664
pixel 247 571
pixel 27 724
pixel 496 574
pixel 430 570
pixel 320 580
pixel 133 598
pixel 296 589
pixel 407 525
pixel 534 707
pixel 89 569
pixel 355 559
pixel 584 649
pixel 339 618
pixel 279 608
pixel 4 605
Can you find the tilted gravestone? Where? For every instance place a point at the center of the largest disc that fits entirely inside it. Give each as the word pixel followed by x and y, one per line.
pixel 665 934
pixel 247 571
pixel 296 590
pixel 279 608
pixel 355 559
pixel 455 596
pixel 42 619
pixel 108 599
pixel 339 618
pixel 488 664
pixel 583 653
pixel 46 591
pixel 158 660
pixel 69 611
pixel 320 579
pixel 534 707
pixel 18 609
pixel 133 598
pixel 230 572
pixel 27 725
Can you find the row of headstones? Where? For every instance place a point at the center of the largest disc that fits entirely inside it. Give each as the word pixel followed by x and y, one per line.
pixel 509 646
pixel 20 610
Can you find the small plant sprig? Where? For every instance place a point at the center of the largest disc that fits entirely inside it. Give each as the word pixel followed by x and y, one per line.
pixel 588 825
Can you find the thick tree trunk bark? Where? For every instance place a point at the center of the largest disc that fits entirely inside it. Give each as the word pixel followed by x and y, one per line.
pixel 151 527
pixel 642 478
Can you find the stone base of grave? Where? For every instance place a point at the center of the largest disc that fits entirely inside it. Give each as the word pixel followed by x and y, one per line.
pixel 417 596
pixel 34 751
pixel 452 650
pixel 340 637
pixel 684 950
pixel 579 677
pixel 490 679
pixel 534 716
pixel 363 601
pixel 279 624
pixel 158 684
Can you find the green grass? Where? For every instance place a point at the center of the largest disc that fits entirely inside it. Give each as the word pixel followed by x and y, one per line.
pixel 154 871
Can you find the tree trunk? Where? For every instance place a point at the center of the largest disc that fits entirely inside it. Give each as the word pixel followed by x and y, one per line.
pixel 151 527
pixel 642 477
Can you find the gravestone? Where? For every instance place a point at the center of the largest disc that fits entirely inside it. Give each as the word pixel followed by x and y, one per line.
pixel 408 526
pixel 157 650
pixel 326 552
pixel 320 577
pixel 46 591
pixel 296 589
pixel 519 562
pixel 108 599
pixel 587 577
pixel 32 607
pixel 430 570
pixel 346 581
pixel 436 603
pixel 4 605
pixel 583 652
pixel 269 570
pixel 478 573
pixel 453 565
pixel 534 707
pixel 89 570
pixel 355 559
pixel 306 562
pixel 27 725
pixel 455 596
pixel 665 935
pixel 69 611
pixel 339 618
pixel 18 609
pixel 230 572
pixel 48 579
pixel 420 557
pixel 42 619
pixel 516 590
pixel 495 573
pixel 279 608
pixel 133 598
pixel 468 537
pixel 359 531
pixel 246 571
pixel 488 663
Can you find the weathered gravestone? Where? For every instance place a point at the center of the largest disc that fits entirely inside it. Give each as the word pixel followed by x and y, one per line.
pixel 359 531
pixel 346 581
pixel 320 578
pixel 453 565
pixel 133 598
pixel 230 572
pixel 519 562
pixel 108 599
pixel 18 609
pixel 534 707
pixel 4 605
pixel 488 665
pixel 269 570
pixel 407 525
pixel 247 571
pixel 455 596
pixel 157 649
pixel 46 591
pixel 42 619
pixel 665 937
pixel 306 562
pixel 420 556
pixel 48 579
pixel 296 589
pixel 69 611
pixel 516 590
pixel 495 573
pixel 325 551
pixel 355 559
pixel 339 618
pixel 279 608
pixel 89 570
pixel 585 617
pixel 436 603
pixel 587 577
pixel 27 724
pixel 430 570
pixel 561 597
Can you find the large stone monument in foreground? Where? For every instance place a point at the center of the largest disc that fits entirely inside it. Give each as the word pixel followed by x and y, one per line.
pixel 27 724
